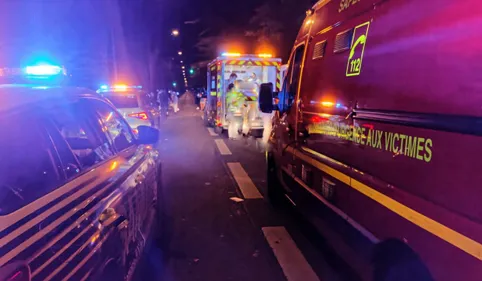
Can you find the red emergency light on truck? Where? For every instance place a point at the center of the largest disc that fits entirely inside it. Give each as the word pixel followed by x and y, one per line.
pixel 249 71
pixel 377 135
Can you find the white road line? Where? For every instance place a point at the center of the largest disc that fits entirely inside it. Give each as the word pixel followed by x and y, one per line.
pixel 211 132
pixel 248 189
pixel 290 258
pixel 223 148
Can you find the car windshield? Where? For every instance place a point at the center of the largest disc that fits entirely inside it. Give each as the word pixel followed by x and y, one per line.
pixel 124 101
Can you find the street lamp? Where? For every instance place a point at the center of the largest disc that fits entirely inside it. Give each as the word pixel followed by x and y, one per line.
pixel 174 84
pixel 183 67
pixel 191 71
pixel 179 53
pixel 175 32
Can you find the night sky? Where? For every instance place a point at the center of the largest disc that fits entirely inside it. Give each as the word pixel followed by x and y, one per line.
pixel 100 41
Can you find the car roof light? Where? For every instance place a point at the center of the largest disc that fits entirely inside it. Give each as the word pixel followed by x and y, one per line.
pixel 120 87
pixel 117 88
pixel 43 70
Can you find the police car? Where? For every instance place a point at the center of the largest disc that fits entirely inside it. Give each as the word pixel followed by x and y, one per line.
pixel 133 103
pixel 78 189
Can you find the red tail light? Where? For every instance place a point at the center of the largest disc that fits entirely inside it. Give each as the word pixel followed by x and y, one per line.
pixel 140 115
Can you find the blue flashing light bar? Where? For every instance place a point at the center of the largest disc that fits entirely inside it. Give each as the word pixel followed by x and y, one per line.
pixel 43 70
pixel 42 74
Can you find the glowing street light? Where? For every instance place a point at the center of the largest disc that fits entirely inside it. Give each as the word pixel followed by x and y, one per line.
pixel 183 67
pixel 179 53
pixel 175 32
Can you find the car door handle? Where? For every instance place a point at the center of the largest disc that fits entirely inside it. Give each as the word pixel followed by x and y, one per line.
pixel 107 216
pixel 140 178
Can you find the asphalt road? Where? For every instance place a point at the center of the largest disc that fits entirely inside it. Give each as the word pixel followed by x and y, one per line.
pixel 217 223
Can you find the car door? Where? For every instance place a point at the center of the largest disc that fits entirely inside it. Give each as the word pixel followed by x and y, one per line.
pixel 82 244
pixel 137 192
pixel 51 213
pixel 30 184
pixel 286 127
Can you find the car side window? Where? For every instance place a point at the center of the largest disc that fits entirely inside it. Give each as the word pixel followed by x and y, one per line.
pixel 77 128
pixel 68 162
pixel 290 85
pixel 28 169
pixel 296 70
pixel 117 128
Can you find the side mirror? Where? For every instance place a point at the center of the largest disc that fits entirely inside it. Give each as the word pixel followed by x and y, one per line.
pixel 147 135
pixel 266 97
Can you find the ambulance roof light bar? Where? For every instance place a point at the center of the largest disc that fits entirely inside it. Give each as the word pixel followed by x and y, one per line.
pixel 231 54
pixel 262 55
pixel 265 55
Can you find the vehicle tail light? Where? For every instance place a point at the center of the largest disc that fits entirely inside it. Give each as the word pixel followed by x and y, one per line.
pixel 140 115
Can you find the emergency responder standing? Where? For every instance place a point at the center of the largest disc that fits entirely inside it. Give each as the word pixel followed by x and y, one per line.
pixel 234 102
pixel 175 101
pixel 164 98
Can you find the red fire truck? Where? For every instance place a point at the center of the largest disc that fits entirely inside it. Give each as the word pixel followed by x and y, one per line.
pixel 377 135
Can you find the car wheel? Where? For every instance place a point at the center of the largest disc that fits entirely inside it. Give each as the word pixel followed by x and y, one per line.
pixel 393 260
pixel 274 189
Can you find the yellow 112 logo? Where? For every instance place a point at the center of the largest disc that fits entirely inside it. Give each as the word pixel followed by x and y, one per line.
pixel 357 49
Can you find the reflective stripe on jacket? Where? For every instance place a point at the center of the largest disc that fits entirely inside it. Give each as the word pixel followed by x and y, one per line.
pixel 234 101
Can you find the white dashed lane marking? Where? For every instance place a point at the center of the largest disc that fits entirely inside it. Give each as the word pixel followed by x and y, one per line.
pixel 246 185
pixel 211 132
pixel 223 148
pixel 294 265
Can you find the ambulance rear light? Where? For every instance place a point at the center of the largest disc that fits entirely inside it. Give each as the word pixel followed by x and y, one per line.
pixel 139 115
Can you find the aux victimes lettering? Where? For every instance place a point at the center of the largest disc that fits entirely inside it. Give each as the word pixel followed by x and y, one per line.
pixel 415 147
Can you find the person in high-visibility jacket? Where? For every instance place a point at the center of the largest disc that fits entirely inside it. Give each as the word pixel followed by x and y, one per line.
pixel 234 103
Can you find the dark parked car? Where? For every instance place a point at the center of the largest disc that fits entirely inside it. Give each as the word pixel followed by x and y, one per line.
pixel 78 189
